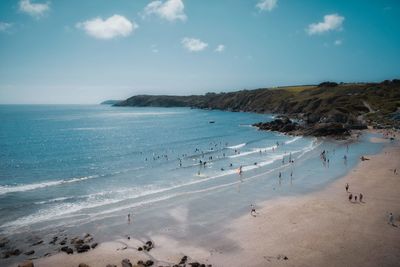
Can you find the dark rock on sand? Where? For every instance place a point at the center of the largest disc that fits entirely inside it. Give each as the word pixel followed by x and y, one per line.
pixel 140 248
pixel 28 263
pixel 78 241
pixel 126 263
pixel 82 248
pixel 183 260
pixel 148 263
pixel 94 245
pixel 63 242
pixel 111 265
pixel 83 265
pixel 67 250
pixel 31 252
pixel 12 252
pixel 194 264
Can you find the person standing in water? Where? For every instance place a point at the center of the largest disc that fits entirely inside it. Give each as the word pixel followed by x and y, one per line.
pixel 129 218
pixel 280 178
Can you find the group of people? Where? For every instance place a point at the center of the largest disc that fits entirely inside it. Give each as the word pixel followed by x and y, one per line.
pixel 356 197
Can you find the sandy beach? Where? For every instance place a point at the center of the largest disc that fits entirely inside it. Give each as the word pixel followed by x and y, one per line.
pixel 322 228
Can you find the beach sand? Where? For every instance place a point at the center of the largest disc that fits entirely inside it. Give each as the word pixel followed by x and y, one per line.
pixel 318 229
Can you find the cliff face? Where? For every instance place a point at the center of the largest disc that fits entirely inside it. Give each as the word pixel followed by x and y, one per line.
pixel 348 104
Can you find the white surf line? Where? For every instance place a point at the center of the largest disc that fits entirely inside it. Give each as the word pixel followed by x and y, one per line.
pixel 237 146
pixel 4 189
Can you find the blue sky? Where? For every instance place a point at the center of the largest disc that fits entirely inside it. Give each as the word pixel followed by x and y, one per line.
pixel 79 51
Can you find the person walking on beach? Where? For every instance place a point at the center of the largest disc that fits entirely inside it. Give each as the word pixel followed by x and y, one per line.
pixel 395 171
pixel 350 197
pixel 361 197
pixel 347 187
pixel 355 198
pixel 253 210
pixel 391 219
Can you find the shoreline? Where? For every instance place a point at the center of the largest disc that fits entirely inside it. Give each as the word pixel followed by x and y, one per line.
pixel 319 228
pixel 324 228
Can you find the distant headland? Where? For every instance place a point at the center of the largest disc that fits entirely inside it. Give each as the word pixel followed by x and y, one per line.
pixel 326 109
pixel 110 102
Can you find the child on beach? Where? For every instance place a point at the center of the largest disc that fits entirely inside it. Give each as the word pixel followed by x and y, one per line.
pixel 391 219
pixel 253 210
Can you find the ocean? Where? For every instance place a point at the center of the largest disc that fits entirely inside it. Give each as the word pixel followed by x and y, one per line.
pixel 73 169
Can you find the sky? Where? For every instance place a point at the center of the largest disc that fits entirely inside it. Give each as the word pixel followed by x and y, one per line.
pixel 87 51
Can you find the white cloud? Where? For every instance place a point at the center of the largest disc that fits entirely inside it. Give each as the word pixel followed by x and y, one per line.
pixel 338 42
pixel 34 9
pixel 170 10
pixel 220 48
pixel 109 28
pixel 266 5
pixel 4 26
pixel 193 45
pixel 331 22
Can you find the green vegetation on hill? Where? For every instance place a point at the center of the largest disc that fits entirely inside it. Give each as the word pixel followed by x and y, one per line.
pixel 374 104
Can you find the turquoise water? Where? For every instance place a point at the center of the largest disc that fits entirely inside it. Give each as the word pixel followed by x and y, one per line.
pixel 84 168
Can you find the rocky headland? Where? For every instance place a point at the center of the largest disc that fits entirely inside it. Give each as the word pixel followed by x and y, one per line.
pixel 327 109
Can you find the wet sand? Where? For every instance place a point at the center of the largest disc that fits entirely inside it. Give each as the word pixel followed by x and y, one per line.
pixel 318 229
